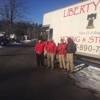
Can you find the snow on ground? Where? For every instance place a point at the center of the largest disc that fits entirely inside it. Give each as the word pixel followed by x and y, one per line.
pixel 87 76
pixel 33 39
pixel 25 41
pixel 14 43
pixel 18 43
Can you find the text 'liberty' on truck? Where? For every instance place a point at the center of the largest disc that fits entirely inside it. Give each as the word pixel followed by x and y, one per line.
pixel 80 21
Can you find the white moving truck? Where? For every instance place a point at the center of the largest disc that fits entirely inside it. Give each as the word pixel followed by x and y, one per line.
pixel 81 22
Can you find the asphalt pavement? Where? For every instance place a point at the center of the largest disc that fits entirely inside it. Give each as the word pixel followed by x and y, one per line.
pixel 20 79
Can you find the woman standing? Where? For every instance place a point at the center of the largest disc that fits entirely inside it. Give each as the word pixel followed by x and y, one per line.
pixel 39 49
pixel 61 53
pixel 51 50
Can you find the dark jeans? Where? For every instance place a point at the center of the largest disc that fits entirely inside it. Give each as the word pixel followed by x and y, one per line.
pixel 40 59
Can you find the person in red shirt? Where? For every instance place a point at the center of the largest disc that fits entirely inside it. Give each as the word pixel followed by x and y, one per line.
pixel 39 49
pixel 61 48
pixel 50 48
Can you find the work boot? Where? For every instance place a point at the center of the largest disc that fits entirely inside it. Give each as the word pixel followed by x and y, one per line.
pixel 71 72
pixel 52 68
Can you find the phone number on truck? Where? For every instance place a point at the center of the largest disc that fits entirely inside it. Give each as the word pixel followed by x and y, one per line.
pixel 88 48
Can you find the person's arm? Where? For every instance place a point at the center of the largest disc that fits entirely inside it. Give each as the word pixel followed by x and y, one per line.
pixel 65 48
pixel 55 49
pixel 45 47
pixel 58 48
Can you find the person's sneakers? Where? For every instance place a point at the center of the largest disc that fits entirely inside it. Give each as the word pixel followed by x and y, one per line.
pixel 61 67
pixel 68 71
pixel 71 72
pixel 52 68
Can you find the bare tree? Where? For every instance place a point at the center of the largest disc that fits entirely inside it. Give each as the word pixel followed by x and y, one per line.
pixel 11 10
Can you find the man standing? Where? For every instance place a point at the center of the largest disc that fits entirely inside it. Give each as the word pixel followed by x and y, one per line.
pixel 61 53
pixel 51 50
pixel 71 49
pixel 39 49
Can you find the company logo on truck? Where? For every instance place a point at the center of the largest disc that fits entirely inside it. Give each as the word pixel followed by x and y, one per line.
pixel 80 9
pixel 90 19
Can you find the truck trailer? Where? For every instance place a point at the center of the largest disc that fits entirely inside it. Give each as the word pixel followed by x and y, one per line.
pixel 79 21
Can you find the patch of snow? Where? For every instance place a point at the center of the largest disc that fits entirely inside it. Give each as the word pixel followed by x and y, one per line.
pixel 33 39
pixel 20 43
pixel 14 43
pixel 87 76
pixel 25 41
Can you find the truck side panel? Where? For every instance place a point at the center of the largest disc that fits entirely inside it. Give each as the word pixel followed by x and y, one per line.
pixel 81 22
